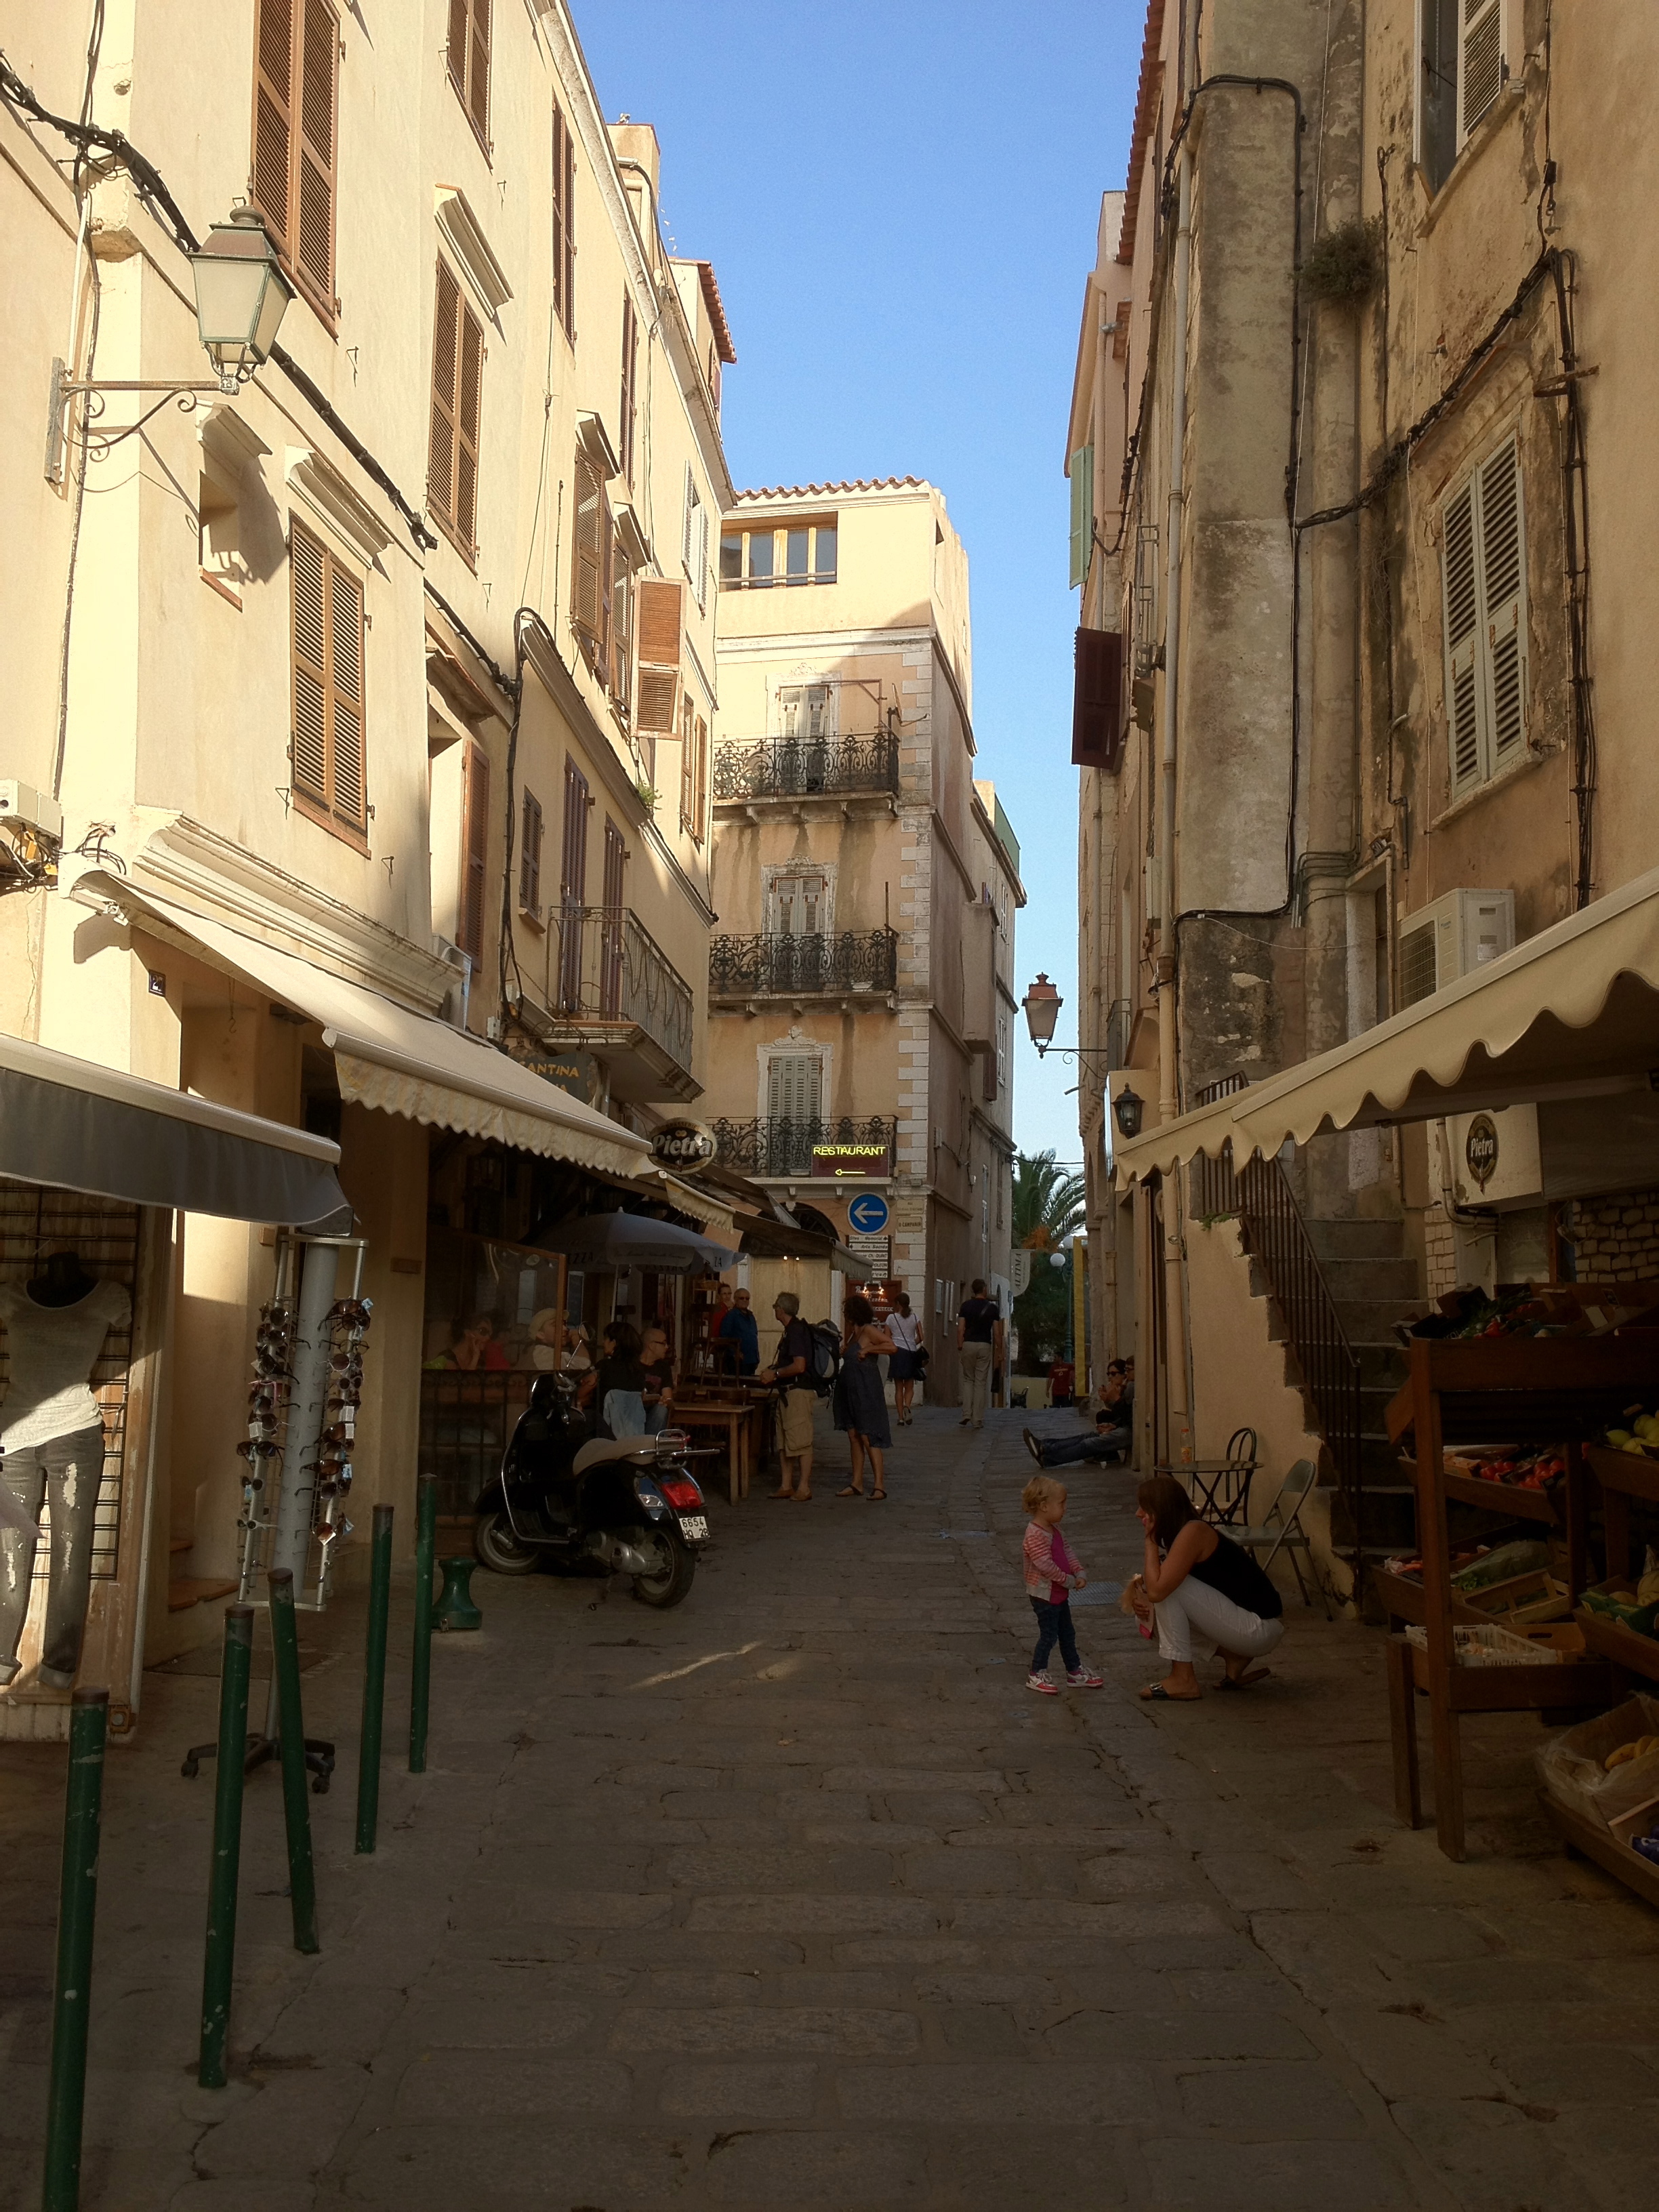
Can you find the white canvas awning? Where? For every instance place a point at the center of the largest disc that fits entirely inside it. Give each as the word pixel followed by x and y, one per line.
pixel 76 1126
pixel 401 1062
pixel 1572 1013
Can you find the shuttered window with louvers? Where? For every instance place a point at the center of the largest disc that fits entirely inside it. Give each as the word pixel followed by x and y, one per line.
pixel 327 745
pixel 687 767
pixel 591 564
pixel 475 856
pixel 1082 474
pixel 1484 606
pixel 564 226
pixel 457 402
pixel 297 80
pixel 469 61
pixel 794 1086
pixel 658 602
pixel 700 793
pixel 1480 62
pixel 530 858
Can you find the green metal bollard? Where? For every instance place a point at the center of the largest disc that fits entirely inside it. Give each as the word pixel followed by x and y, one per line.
pixel 455 1609
pixel 219 1962
pixel 291 1742
pixel 369 1755
pixel 77 1908
pixel 420 1673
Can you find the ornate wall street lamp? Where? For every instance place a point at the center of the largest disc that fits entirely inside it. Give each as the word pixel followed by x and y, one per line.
pixel 242 296
pixel 1041 1005
pixel 1126 1111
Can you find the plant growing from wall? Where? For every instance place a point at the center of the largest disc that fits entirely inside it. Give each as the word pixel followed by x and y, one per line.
pixel 1344 266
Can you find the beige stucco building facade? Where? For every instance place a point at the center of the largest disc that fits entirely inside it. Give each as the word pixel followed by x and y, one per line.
pixel 1363 847
pixel 862 979
pixel 378 699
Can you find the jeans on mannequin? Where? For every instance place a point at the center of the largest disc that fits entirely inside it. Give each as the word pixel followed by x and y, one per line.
pixel 67 1470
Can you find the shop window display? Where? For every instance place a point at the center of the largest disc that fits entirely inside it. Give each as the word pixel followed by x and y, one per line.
pixel 495 1317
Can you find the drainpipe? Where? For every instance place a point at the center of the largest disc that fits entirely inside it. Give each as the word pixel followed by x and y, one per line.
pixel 1178 1358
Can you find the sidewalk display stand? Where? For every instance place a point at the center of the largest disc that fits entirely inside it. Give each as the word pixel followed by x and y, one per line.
pixel 1539 1391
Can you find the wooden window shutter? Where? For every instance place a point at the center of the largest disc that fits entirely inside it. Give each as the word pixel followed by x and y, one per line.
pixel 477 69
pixel 327 747
pixel 445 347
pixel 687 767
pixel 530 856
pixel 1097 699
pixel 572 854
pixel 1460 614
pixel 627 409
pixel 1481 68
pixel 687 523
pixel 1082 474
pixel 989 1085
pixel 273 85
pixel 320 84
pixel 466 427
pixel 615 856
pixel 658 632
pixel 588 585
pixel 622 631
pixel 476 854
pixel 1504 585
pixel 700 818
pixel 794 1086
pixel 564 225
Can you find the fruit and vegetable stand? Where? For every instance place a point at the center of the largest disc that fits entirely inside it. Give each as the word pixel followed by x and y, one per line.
pixel 1552 1395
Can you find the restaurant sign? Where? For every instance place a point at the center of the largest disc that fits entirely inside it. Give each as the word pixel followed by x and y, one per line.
pixel 871 1158
pixel 683 1146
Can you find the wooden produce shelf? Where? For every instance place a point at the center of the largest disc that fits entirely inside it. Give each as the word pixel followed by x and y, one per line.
pixel 1509 1498
pixel 1624 1472
pixel 1588 1837
pixel 1611 1640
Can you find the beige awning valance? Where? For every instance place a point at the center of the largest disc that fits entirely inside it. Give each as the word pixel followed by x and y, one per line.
pixel 1572 1013
pixel 401 1062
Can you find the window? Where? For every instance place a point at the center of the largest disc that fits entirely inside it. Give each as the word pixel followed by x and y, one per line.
pixel 630 370
pixel 1483 581
pixel 800 903
pixel 1463 67
pixel 799 553
pixel 572 884
pixel 530 858
pixel 296 81
pixel 806 710
pixel 564 226
pixel 474 852
pixel 1081 471
pixel 469 61
pixel 794 1086
pixel 452 475
pixel 660 655
pixel 700 791
pixel 688 765
pixel 593 566
pixel 612 946
pixel 326 749
pixel 693 545
pixel 622 632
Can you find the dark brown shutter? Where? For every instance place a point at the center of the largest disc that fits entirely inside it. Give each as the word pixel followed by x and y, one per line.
pixel 440 462
pixel 530 858
pixel 658 625
pixel 309 563
pixel 572 854
pixel 312 245
pixel 345 702
pixel 1098 700
pixel 273 83
pixel 564 225
pixel 615 855
pixel 466 427
pixel 588 588
pixel 476 840
pixel 477 69
pixel 630 351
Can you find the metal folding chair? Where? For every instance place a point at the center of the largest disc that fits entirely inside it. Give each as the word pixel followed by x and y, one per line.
pixel 1284 1531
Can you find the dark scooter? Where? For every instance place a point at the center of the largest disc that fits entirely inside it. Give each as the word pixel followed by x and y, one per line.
pixel 622 1505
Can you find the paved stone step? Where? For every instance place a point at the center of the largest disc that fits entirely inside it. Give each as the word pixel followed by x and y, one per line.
pixel 1371 1319
pixel 1358 1240
pixel 1370 1280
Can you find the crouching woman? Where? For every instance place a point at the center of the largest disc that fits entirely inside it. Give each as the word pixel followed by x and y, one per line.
pixel 1197 1583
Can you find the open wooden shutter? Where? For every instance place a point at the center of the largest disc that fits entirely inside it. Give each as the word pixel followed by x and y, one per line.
pixel 273 84
pixel 1082 474
pixel 658 631
pixel 475 854
pixel 530 857
pixel 466 427
pixel 700 570
pixel 308 562
pixel 700 797
pixel 345 703
pixel 588 585
pixel 627 407
pixel 445 345
pixel 564 225
pixel 615 858
pixel 622 631
pixel 313 243
pixel 1097 699
pixel 1503 581
pixel 1460 602
pixel 1480 69
pixel 477 69
pixel 687 767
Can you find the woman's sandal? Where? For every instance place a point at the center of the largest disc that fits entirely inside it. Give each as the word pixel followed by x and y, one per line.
pixel 1156 1695
pixel 850 1490
pixel 875 1494
pixel 775 1494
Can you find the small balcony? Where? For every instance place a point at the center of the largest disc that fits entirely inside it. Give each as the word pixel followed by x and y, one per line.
pixel 806 767
pixel 800 1149
pixel 610 989
pixel 833 964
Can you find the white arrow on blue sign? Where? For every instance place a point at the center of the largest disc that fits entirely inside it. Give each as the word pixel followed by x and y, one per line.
pixel 868 1213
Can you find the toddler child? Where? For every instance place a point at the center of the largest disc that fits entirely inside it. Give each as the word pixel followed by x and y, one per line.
pixel 1052 1573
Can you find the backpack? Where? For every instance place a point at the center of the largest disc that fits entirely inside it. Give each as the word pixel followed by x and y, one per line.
pixel 825 1361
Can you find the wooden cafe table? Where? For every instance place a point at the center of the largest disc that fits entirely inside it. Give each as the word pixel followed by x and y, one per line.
pixel 729 1417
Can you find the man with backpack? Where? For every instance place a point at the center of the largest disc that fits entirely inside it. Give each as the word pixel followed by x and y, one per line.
pixel 794 1368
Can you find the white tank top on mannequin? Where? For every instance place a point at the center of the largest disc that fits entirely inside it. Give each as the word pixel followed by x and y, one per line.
pixel 51 1352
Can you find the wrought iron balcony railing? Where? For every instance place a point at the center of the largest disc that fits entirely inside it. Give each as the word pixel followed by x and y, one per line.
pixel 802 767
pixel 824 965
pixel 776 1146
pixel 605 966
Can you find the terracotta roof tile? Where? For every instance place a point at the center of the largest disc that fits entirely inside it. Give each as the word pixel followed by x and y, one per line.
pixel 817 490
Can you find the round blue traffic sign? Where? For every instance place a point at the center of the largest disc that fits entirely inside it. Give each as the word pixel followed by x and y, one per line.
pixel 868 1213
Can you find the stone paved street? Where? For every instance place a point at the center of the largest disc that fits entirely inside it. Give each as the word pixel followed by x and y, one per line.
pixel 796 1898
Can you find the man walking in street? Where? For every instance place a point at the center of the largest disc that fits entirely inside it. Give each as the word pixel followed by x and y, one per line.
pixel 793 1369
pixel 979 1347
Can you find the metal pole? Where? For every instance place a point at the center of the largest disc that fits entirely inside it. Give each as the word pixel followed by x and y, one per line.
pixel 368 1757
pixel 219 1962
pixel 291 1742
pixel 77 1908
pixel 420 1676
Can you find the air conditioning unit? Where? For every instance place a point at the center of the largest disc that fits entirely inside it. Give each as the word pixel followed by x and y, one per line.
pixel 1460 933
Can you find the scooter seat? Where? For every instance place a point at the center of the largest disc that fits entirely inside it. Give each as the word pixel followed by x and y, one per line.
pixel 599 1449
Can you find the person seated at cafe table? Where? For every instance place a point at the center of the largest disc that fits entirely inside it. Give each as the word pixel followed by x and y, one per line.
pixel 658 1361
pixel 613 1391
pixel 473 1345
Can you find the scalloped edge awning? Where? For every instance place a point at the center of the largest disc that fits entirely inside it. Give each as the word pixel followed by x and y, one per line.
pixel 1572 1013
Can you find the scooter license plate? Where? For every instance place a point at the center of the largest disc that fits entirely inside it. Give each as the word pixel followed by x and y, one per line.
pixel 693 1527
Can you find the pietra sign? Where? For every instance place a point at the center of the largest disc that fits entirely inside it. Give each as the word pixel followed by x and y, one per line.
pixel 684 1146
pixel 1481 1149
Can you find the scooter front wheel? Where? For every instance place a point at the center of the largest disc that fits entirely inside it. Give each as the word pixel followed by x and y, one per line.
pixel 500 1550
pixel 674 1575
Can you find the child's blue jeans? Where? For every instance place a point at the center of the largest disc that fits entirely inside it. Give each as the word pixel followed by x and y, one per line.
pixel 1055 1621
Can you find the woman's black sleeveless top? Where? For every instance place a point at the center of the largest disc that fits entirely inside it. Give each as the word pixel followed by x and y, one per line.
pixel 1231 1570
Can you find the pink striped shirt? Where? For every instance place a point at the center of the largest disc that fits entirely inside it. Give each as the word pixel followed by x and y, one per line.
pixel 1051 1569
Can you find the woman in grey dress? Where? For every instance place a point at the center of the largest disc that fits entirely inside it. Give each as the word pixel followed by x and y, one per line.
pixel 860 1404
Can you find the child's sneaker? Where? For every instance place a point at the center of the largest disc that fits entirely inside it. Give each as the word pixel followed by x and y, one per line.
pixel 1041 1682
pixel 1082 1678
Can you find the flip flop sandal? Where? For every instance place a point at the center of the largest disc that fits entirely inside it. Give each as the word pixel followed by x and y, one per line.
pixel 774 1495
pixel 850 1490
pixel 876 1496
pixel 1156 1695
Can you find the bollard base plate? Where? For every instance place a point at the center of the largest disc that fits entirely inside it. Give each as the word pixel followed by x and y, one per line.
pixel 319 1758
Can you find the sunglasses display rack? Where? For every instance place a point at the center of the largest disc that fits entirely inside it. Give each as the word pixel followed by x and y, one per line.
pixel 269 1398
pixel 348 1325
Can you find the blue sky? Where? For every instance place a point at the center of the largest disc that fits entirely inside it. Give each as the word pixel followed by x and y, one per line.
pixel 900 201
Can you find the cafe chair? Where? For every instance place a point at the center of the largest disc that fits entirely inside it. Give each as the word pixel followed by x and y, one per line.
pixel 1283 1531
